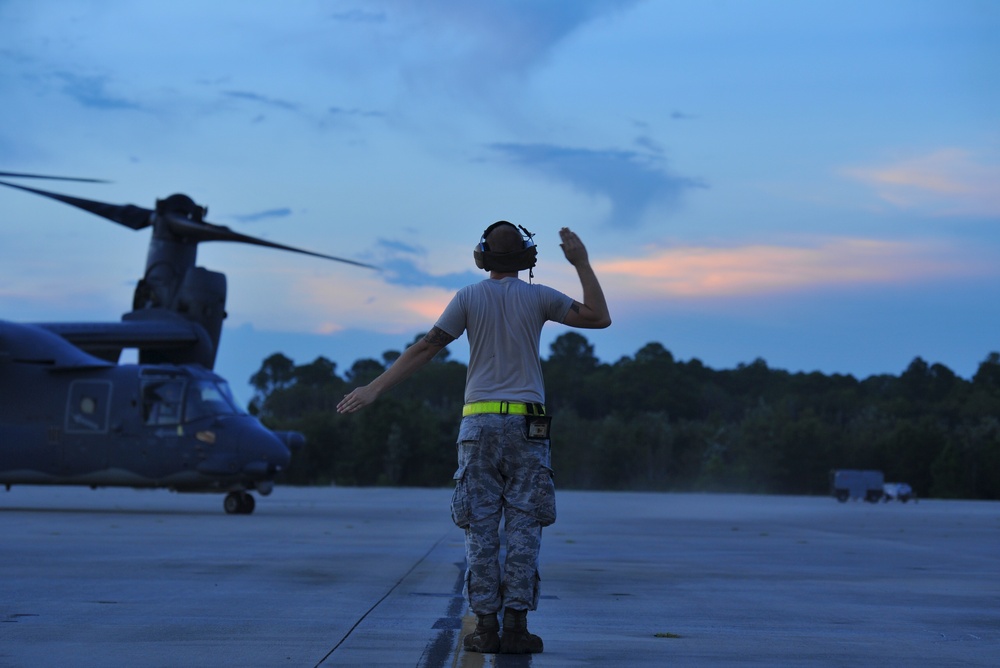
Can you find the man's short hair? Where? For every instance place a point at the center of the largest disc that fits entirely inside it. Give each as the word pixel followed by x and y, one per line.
pixel 505 239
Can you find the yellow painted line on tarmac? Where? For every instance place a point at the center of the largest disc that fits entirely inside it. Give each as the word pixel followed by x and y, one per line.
pixel 465 659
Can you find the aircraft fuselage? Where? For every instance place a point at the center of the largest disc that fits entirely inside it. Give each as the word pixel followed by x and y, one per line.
pixel 69 420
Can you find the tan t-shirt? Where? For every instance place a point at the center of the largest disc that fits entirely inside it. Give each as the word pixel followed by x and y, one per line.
pixel 504 318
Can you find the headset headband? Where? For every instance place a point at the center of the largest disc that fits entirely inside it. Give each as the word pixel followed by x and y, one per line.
pixel 517 260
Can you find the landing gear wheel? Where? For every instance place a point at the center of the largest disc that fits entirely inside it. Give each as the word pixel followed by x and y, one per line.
pixel 247 504
pixel 238 503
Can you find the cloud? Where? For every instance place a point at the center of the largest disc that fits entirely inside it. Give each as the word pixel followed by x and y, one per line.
pixel 328 302
pixel 92 92
pixel 261 215
pixel 399 263
pixel 364 113
pixel 946 182
pixel 262 99
pixel 702 271
pixel 364 302
pixel 517 32
pixel 359 16
pixel 461 46
pixel 401 271
pixel 650 144
pixel 631 181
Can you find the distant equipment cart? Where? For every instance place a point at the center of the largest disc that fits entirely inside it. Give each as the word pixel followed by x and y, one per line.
pixel 855 484
pixel 898 491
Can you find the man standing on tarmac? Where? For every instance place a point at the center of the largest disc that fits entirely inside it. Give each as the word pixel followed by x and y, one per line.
pixel 504 466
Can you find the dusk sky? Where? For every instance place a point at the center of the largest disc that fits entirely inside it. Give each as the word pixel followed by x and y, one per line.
pixel 811 182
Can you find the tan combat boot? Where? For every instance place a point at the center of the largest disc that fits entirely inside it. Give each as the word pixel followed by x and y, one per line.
pixel 515 638
pixel 485 638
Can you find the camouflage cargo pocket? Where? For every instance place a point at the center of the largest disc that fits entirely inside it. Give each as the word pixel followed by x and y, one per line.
pixel 469 434
pixel 461 513
pixel 543 497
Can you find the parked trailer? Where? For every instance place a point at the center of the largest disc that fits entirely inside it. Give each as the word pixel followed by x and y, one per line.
pixel 855 484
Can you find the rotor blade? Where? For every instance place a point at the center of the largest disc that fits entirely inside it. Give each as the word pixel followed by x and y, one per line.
pixel 208 232
pixel 128 215
pixel 20 175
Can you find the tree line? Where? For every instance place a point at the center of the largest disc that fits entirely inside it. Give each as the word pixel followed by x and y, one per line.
pixel 651 422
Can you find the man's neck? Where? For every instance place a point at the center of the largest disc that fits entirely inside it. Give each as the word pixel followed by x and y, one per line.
pixel 497 275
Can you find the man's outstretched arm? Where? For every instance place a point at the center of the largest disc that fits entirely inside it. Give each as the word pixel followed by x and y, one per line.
pixel 593 312
pixel 414 357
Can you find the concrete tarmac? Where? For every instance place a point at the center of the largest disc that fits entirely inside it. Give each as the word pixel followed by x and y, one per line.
pixel 372 577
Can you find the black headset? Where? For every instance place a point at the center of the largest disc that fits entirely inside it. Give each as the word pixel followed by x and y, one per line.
pixel 517 260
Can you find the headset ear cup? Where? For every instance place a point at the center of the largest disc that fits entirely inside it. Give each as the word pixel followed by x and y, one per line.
pixel 482 249
pixel 480 257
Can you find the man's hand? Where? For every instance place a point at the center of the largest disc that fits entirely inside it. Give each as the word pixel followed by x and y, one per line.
pixel 573 248
pixel 357 399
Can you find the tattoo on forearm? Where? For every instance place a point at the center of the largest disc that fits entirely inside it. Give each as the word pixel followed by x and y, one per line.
pixel 438 337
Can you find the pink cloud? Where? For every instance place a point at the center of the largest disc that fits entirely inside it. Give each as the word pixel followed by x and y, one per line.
pixel 950 181
pixel 703 271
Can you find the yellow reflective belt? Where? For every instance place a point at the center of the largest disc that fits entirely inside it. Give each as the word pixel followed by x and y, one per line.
pixel 502 408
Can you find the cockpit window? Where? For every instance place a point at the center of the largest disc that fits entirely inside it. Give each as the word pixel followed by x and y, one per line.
pixel 161 402
pixel 228 393
pixel 206 398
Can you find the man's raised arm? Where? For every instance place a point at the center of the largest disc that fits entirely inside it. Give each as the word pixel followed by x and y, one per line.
pixel 593 312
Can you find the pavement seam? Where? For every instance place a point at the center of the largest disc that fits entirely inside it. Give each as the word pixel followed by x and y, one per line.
pixel 379 602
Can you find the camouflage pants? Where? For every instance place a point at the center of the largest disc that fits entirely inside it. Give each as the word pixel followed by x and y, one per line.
pixel 501 472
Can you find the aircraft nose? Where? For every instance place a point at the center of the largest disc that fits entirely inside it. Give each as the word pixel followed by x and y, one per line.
pixel 244 446
pixel 274 454
pixel 263 453
pixel 293 440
